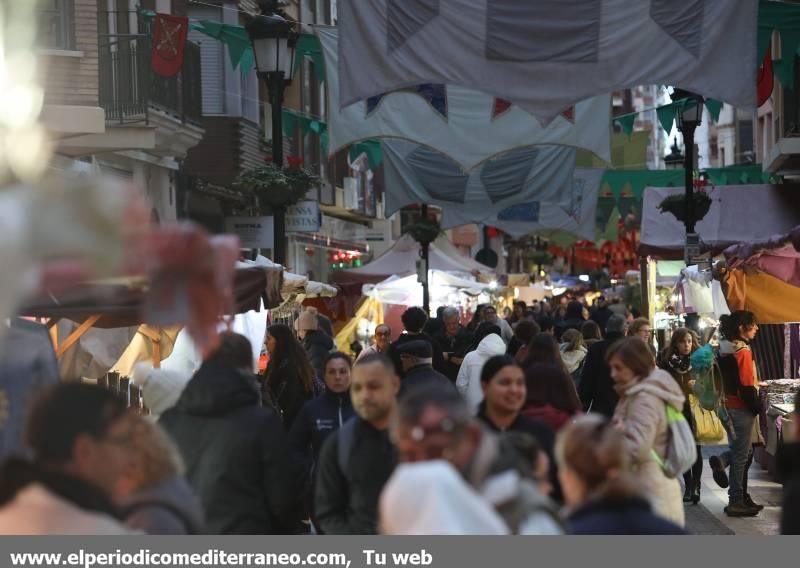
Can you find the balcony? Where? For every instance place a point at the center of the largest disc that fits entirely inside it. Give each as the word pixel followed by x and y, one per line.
pixel 130 90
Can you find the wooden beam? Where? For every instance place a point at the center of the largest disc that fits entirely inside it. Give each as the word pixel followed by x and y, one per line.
pixel 75 336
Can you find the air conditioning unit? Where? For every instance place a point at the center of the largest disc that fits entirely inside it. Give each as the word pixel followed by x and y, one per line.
pixel 351 186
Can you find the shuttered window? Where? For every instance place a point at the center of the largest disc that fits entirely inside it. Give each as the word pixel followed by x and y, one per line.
pixel 212 61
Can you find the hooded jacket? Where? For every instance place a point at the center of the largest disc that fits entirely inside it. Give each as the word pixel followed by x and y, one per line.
pixel 318 419
pixel 431 498
pixel 573 319
pixel 468 381
pixel 236 454
pixel 168 508
pixel 642 415
pixel 318 345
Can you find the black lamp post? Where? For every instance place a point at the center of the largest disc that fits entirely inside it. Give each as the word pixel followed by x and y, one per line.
pixel 274 40
pixel 689 118
pixel 674 159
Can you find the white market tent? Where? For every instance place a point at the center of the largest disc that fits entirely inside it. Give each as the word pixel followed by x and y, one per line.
pixel 406 290
pixel 401 260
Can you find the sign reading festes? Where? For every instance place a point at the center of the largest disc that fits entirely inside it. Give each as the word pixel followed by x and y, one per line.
pixel 303 217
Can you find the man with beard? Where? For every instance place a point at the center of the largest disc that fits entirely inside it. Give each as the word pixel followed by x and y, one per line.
pixel 355 464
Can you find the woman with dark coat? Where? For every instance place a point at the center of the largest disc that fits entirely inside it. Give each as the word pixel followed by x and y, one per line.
pixel 675 360
pixel 600 494
pixel 289 378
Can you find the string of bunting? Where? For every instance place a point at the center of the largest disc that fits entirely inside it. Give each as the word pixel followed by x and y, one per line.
pixel 666 114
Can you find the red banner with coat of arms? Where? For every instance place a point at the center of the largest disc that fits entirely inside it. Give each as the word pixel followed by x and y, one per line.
pixel 169 43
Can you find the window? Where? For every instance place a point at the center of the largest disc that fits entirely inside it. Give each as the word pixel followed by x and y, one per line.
pixel 57 24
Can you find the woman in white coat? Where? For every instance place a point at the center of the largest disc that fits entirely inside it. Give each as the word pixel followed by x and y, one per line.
pixel 487 344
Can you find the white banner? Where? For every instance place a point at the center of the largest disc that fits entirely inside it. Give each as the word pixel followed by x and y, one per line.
pixel 253 232
pixel 546 55
pixel 467 125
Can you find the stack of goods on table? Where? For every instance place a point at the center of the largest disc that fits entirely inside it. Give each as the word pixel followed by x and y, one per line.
pixel 777 404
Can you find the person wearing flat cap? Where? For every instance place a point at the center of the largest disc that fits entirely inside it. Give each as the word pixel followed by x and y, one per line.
pixel 417 360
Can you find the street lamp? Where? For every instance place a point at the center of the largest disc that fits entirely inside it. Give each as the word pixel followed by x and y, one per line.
pixel 689 117
pixel 674 159
pixel 274 40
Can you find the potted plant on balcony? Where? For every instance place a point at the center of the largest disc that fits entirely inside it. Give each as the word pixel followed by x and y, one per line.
pixel 278 187
pixel 676 204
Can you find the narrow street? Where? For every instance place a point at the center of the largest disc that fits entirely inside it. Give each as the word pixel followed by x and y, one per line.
pixel 709 517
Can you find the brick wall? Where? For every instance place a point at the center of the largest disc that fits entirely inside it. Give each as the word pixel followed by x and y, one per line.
pixel 74 80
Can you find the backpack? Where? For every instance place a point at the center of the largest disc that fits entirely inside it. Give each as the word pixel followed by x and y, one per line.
pixel 681 451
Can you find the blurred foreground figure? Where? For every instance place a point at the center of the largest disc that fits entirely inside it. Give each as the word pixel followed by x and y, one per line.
pixel 435 423
pixel 153 495
pixel 603 498
pixel 236 451
pixel 431 498
pixel 79 436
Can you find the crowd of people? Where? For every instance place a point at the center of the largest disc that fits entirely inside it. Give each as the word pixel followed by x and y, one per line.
pixel 558 419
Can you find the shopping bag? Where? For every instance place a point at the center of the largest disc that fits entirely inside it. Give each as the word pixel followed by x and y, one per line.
pixel 708 427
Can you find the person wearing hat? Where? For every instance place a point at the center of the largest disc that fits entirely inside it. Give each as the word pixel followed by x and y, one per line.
pixel 317 343
pixel 416 357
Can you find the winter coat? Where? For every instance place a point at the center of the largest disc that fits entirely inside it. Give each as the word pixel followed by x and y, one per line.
pixel 318 345
pixel 394 354
pixel 169 508
pixel 36 510
pixel 621 516
pixel 457 346
pixel 572 320
pixel 642 415
pixel 236 453
pixel 431 498
pixel 573 360
pixel 601 316
pixel 318 419
pixel 547 414
pixel 346 502
pixel 423 375
pixel 596 389
pixel 468 381
pixel 285 393
pixel 740 376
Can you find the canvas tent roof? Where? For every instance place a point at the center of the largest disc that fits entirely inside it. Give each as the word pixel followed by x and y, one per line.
pixel 740 212
pixel 401 260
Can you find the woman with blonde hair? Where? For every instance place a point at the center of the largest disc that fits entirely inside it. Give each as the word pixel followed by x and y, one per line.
pixel 601 494
pixel 573 352
pixel 641 415
pixel 153 495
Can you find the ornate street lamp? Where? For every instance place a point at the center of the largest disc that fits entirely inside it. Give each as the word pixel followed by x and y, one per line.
pixel 274 39
pixel 689 117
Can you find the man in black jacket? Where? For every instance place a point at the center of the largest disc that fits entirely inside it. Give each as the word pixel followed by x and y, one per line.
pixel 236 454
pixel 414 320
pixel 417 358
pixel 601 312
pixel 454 341
pixel 355 464
pixel 597 387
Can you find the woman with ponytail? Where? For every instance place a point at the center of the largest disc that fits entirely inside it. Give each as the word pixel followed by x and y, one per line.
pixel 601 496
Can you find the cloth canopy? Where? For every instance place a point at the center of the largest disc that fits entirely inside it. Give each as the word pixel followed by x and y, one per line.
pixel 419 174
pixel 466 125
pixel 548 54
pixel 771 300
pixel 749 212
pixel 778 256
pixel 122 305
pixel 576 217
pixel 401 260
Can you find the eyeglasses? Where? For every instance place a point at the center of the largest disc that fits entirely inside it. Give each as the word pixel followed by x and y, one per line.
pixel 382 334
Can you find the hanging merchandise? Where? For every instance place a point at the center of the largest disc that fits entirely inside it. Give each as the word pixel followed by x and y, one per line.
pixel 169 43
